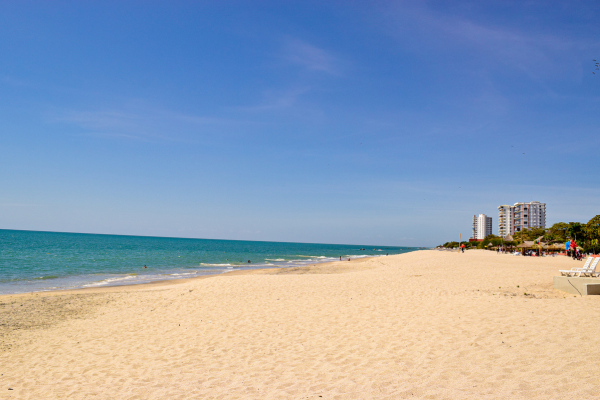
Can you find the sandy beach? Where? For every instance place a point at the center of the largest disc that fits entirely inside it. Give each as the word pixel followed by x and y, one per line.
pixel 426 324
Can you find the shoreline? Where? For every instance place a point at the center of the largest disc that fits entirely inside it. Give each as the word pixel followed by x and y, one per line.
pixel 175 281
pixel 35 261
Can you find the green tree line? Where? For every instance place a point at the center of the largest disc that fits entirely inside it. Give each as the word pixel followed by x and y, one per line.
pixel 586 235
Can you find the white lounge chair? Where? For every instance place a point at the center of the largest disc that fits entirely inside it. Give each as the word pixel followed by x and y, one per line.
pixel 579 271
pixel 575 270
pixel 591 272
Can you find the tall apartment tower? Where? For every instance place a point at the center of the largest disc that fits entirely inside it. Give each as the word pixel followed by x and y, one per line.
pixel 521 216
pixel 505 216
pixel 482 226
pixel 529 215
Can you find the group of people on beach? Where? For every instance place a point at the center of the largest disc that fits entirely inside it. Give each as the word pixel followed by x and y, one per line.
pixel 575 254
pixel 533 253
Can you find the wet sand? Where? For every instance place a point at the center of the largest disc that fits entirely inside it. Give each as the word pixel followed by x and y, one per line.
pixel 427 324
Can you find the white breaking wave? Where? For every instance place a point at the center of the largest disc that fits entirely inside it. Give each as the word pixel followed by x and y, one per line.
pixel 111 280
pixel 215 265
pixel 182 273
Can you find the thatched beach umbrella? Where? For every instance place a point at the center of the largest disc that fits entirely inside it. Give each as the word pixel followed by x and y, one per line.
pixel 528 244
pixel 555 247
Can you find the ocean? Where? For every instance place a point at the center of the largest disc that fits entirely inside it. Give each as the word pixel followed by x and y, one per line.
pixel 32 261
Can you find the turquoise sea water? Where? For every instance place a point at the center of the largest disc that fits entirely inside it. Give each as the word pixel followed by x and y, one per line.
pixel 38 261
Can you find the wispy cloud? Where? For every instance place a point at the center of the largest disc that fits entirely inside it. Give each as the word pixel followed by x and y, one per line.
pixel 535 53
pixel 142 123
pixel 11 81
pixel 310 57
pixel 277 100
pixel 313 62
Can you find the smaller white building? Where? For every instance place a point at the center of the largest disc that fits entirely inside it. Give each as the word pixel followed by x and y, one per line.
pixel 482 226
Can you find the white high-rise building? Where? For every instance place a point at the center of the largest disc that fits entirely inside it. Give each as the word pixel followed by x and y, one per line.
pixel 505 220
pixel 482 226
pixel 521 216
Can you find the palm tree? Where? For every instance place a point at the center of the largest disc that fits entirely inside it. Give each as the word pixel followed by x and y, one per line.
pixel 573 230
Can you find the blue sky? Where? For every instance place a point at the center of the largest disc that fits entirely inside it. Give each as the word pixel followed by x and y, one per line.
pixel 339 122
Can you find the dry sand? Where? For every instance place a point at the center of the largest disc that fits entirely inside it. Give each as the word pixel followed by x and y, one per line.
pixel 427 324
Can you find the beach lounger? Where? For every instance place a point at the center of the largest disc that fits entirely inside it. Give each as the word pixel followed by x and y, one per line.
pixel 591 272
pixel 573 271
